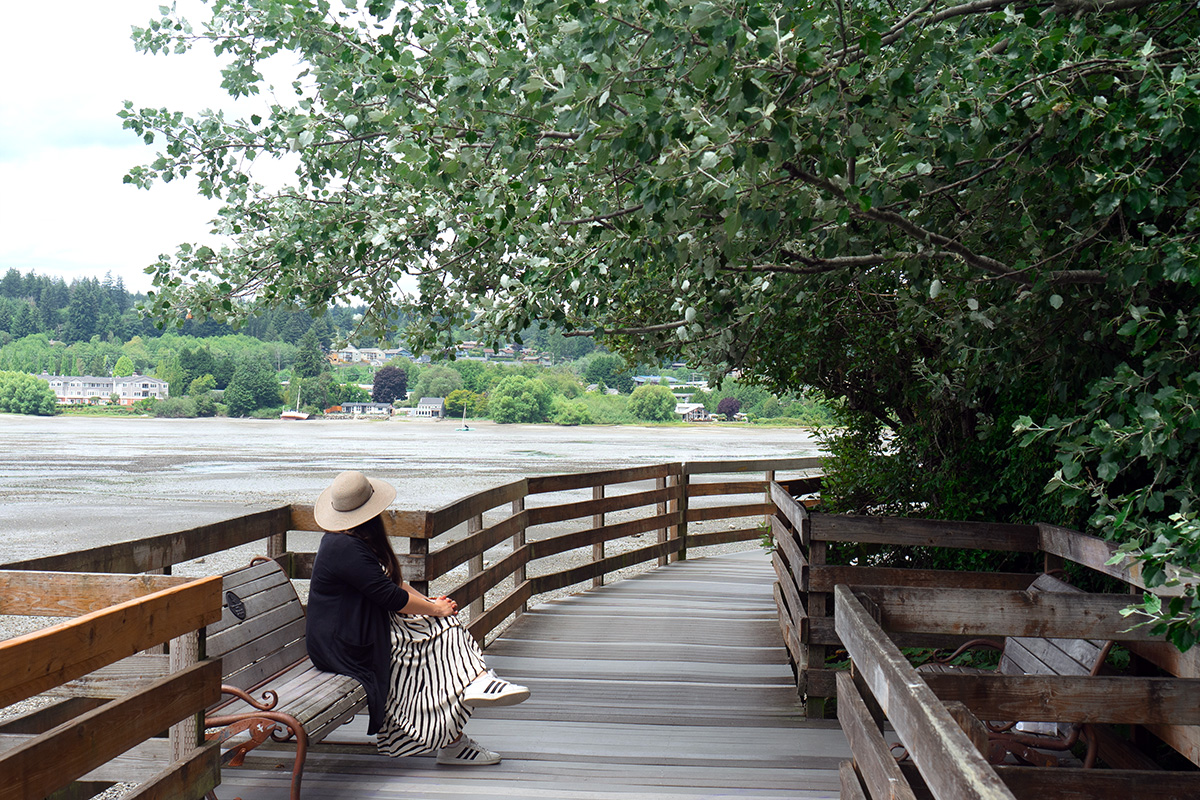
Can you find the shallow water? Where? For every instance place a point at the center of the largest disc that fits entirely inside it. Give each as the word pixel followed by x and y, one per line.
pixel 73 482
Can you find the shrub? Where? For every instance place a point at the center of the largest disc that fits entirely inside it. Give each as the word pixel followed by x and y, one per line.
pixel 652 402
pixel 21 393
pixel 175 407
pixel 569 412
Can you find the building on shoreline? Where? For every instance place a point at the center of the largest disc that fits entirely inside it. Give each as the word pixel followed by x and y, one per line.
pixel 82 390
pixel 431 408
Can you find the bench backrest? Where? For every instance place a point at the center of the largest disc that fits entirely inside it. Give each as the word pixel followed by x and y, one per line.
pixel 1039 656
pixel 261 631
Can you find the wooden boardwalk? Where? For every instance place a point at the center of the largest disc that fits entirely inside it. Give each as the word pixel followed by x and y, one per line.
pixel 670 685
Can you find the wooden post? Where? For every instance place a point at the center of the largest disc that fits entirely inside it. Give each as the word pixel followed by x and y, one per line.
pixel 474 567
pixel 818 606
pixel 683 481
pixel 419 548
pixel 518 541
pixel 598 547
pixel 673 508
pixel 767 495
pixel 660 509
pixel 187 734
pixel 277 544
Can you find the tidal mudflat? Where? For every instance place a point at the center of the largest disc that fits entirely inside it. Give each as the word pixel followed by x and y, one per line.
pixel 73 482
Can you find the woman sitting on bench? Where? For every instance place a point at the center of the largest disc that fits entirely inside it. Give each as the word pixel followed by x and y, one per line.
pixel 422 671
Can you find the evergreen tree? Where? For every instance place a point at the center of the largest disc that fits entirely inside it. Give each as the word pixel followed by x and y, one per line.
pixel 83 311
pixel 310 361
pixel 123 368
pixel 23 323
pixel 253 387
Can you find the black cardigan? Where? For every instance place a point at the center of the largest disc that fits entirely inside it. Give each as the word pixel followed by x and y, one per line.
pixel 350 602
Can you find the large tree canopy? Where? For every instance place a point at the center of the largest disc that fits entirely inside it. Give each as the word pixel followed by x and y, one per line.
pixel 955 216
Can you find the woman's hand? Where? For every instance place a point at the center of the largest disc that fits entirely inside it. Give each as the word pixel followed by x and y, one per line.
pixel 443 607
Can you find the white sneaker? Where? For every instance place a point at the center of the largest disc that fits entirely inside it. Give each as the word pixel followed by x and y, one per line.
pixel 488 690
pixel 468 752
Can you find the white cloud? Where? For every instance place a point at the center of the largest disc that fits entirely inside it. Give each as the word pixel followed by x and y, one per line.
pixel 63 207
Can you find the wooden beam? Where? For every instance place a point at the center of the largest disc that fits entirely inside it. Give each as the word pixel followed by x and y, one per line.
pixel 71 594
pixel 794 607
pixel 722 537
pixel 544 515
pixel 1095 553
pixel 189 778
pixel 398 523
pixel 544 484
pixel 824 578
pixel 793 512
pixel 510 604
pixel 705 513
pixel 54 759
pixel 158 552
pixel 851 784
pixel 445 518
pixel 951 766
pixel 43 659
pixel 908 531
pixel 785 542
pixel 716 489
pixel 995 612
pixel 1057 698
pixel 874 760
pixel 1073 783
pixel 752 465
pixel 475 543
pixel 557 580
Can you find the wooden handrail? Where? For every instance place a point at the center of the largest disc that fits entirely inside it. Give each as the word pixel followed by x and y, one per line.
pixel 151 610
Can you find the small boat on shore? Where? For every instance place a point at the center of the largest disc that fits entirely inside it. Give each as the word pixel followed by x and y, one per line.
pixel 294 414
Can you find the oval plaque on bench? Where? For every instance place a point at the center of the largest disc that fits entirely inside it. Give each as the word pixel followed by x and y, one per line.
pixel 235 604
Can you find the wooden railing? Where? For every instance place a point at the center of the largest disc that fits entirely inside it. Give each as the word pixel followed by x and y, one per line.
pixel 597 521
pixel 104 731
pixel 872 612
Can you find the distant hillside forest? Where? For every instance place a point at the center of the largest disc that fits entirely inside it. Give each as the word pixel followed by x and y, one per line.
pixel 93 327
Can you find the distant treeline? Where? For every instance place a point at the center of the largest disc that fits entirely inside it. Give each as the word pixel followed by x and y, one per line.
pixel 104 308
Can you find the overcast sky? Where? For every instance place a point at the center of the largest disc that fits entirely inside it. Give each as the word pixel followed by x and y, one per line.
pixel 67 68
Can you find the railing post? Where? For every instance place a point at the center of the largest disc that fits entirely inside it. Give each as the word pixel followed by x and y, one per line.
pixel 187 734
pixel 685 482
pixel 678 507
pixel 419 548
pixel 518 541
pixel 474 567
pixel 818 605
pixel 661 509
pixel 276 544
pixel 767 495
pixel 598 547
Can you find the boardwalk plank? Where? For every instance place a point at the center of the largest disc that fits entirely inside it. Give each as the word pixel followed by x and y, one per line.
pixel 672 685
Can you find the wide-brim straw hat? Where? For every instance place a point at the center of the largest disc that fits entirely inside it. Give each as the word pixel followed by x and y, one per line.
pixel 351 500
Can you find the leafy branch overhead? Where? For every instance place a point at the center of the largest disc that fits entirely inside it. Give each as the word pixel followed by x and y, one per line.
pixel 950 214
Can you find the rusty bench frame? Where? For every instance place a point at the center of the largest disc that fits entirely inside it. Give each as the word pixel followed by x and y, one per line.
pixel 260 639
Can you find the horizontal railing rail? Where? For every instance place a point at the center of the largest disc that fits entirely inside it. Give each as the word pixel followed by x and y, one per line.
pixel 109 706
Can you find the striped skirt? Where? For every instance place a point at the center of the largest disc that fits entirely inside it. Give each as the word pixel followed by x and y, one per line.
pixel 433 660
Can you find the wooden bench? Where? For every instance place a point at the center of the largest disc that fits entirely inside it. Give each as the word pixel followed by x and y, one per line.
pixel 275 691
pixel 1026 655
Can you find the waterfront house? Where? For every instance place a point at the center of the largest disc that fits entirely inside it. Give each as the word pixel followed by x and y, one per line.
pixel 692 412
pixel 431 408
pixel 367 409
pixel 78 390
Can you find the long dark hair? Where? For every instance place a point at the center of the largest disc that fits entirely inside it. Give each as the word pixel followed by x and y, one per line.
pixel 373 533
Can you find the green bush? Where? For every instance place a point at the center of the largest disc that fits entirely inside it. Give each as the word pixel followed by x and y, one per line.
pixel 569 412
pixel 175 407
pixel 21 393
pixel 652 402
pixel 519 399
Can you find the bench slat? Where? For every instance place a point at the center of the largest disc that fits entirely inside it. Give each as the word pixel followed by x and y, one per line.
pixel 265 669
pixel 256 626
pixel 256 605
